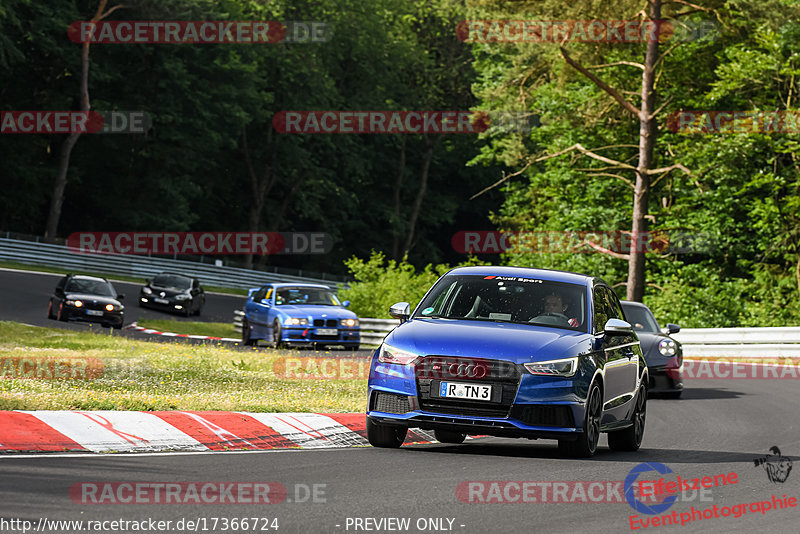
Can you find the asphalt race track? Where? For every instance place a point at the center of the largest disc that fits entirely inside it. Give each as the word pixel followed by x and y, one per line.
pixel 24 296
pixel 718 427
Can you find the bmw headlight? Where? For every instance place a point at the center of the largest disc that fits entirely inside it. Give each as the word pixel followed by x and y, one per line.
pixel 295 321
pixel 390 354
pixel 76 303
pixel 349 322
pixel 667 347
pixel 565 367
pixel 147 291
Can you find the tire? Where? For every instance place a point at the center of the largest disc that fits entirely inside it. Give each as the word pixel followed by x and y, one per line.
pixel 586 444
pixel 61 316
pixel 50 310
pixel 630 439
pixel 385 436
pixel 448 436
pixel 276 334
pixel 246 340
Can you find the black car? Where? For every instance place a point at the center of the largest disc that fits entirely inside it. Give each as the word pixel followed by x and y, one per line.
pixel 173 292
pixel 86 298
pixel 663 354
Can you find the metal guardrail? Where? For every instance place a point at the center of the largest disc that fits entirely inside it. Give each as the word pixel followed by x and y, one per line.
pixel 781 342
pixel 51 255
pixel 372 330
pixel 763 342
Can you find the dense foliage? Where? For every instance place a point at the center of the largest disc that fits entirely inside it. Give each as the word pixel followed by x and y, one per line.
pixel 213 162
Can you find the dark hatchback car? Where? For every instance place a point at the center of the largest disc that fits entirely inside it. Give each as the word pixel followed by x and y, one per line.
pixel 664 355
pixel 173 293
pixel 86 298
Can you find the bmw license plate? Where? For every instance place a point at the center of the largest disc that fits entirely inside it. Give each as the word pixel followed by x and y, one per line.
pixel 465 391
pixel 94 312
pixel 161 301
pixel 327 332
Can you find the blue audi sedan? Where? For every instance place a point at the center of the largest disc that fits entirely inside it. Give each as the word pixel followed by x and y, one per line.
pixel 511 352
pixel 299 315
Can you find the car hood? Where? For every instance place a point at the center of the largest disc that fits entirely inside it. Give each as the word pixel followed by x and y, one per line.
pixel 331 312
pixel 168 291
pixel 505 341
pixel 99 298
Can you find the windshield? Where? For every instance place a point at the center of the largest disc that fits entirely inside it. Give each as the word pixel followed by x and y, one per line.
pixel 507 299
pixel 171 280
pixel 91 287
pixel 306 295
pixel 640 318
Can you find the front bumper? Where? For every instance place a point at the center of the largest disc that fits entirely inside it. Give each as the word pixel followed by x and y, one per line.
pixel 304 335
pixel 522 405
pixel 84 315
pixel 665 379
pixel 166 304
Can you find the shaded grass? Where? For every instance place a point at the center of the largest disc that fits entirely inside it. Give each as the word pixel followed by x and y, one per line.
pixel 120 277
pixel 143 375
pixel 191 328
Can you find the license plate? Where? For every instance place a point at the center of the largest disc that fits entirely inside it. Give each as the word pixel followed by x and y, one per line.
pixel 327 332
pixel 161 301
pixel 465 391
pixel 94 312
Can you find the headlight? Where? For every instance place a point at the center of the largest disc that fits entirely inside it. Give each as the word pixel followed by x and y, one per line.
pixel 147 291
pixel 667 347
pixel 76 303
pixel 295 320
pixel 183 296
pixel 349 322
pixel 565 367
pixel 389 354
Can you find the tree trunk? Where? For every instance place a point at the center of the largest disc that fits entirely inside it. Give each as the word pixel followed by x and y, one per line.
pixel 423 187
pixel 641 194
pixel 57 200
pixel 260 187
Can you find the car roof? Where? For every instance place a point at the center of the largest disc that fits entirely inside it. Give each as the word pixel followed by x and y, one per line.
pixel 633 304
pixel 526 272
pixel 86 277
pixel 173 274
pixel 300 284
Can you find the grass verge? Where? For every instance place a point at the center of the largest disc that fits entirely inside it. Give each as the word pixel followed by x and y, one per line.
pixel 191 328
pixel 144 375
pixel 122 278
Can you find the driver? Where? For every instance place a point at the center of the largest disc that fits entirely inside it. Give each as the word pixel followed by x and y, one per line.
pixel 554 303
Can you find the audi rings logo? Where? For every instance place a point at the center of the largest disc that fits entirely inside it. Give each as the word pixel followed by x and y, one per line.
pixel 467 370
pixel 438 367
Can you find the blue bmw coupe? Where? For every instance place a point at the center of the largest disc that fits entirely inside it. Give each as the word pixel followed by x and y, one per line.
pixel 511 352
pixel 299 315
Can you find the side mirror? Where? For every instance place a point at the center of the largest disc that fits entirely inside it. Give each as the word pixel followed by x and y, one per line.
pixel 121 296
pixel 148 281
pixel 673 328
pixel 401 310
pixel 617 327
pixel 346 303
